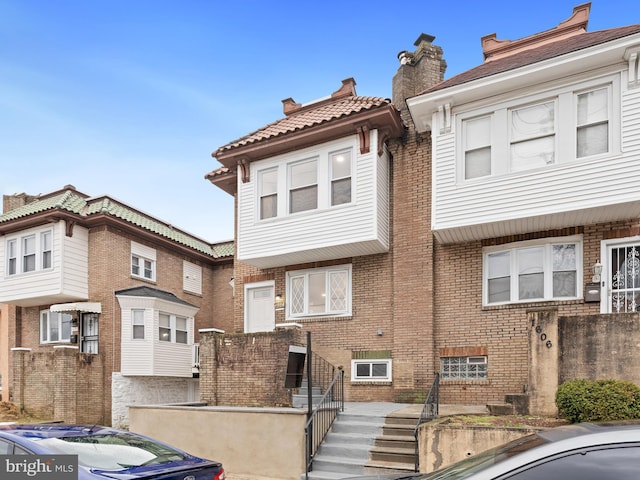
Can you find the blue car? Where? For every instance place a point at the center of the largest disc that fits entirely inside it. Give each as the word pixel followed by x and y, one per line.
pixel 107 453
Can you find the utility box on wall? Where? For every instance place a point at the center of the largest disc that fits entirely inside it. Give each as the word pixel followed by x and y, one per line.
pixel 592 292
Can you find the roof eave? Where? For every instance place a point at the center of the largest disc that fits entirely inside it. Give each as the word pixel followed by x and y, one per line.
pixel 384 118
pixel 423 107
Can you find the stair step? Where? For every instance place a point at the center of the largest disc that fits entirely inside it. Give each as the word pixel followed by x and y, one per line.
pixel 398 430
pixel 388 467
pixel 387 441
pixel 399 455
pixel 501 409
pixel 348 466
pixel 323 475
pixel 402 420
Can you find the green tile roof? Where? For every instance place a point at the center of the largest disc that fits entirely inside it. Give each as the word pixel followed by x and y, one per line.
pixel 80 204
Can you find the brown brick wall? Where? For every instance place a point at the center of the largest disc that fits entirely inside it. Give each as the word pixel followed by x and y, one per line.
pixel 246 370
pixel 109 271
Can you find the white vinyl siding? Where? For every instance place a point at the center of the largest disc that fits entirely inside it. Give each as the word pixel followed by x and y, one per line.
pixel 567 192
pixel 358 227
pixel 53 284
pixel 149 355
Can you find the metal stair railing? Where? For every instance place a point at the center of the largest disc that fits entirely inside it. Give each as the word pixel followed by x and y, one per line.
pixel 322 418
pixel 429 412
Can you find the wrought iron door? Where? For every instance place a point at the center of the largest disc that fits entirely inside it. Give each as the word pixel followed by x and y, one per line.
pixel 624 262
pixel 89 333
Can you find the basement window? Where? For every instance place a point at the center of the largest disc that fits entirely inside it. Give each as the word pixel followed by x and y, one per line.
pixel 378 370
pixel 463 368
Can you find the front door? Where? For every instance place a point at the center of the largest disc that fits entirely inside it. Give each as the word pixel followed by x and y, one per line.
pixel 89 333
pixel 259 308
pixel 622 277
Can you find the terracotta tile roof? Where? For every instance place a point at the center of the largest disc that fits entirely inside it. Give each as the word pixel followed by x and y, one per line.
pixel 79 204
pixel 308 116
pixel 539 54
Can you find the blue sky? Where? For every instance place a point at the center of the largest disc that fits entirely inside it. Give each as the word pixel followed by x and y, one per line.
pixel 128 98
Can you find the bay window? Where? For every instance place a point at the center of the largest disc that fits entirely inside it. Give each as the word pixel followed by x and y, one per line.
pixel 539 131
pixel 30 252
pixel 173 328
pixel 316 179
pixel 533 271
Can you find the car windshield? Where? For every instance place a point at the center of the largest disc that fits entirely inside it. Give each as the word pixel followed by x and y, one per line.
pixel 114 451
pixel 465 468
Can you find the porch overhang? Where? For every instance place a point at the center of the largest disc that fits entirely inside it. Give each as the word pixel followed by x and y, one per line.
pixel 84 307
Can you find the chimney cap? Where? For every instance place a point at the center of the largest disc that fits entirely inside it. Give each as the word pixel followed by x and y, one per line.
pixel 424 37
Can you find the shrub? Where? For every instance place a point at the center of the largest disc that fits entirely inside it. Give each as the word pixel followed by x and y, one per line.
pixel 598 400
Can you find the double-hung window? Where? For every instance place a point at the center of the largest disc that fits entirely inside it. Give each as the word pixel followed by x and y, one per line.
pixel 31 252
pixel 303 186
pixel 173 328
pixel 315 179
pixel 533 271
pixel 319 291
pixel 593 122
pixel 143 261
pixel 532 136
pixel 545 129
pixel 137 324
pixel 340 177
pixel 477 148
pixel 54 327
pixel 268 184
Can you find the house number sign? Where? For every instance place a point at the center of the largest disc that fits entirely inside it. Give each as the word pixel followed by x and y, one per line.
pixel 543 336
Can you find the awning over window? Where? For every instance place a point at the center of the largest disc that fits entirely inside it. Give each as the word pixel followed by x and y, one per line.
pixel 85 307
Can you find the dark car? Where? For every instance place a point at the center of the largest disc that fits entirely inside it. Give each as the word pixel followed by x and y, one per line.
pixel 108 453
pixel 587 451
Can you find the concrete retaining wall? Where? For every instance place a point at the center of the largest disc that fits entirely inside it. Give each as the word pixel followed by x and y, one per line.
pixel 265 442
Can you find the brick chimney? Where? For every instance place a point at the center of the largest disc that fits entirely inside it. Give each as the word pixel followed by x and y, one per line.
pixel 418 71
pixel 11 202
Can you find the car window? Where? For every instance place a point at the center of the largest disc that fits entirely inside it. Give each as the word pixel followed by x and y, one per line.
pixel 6 448
pixel 113 451
pixel 616 463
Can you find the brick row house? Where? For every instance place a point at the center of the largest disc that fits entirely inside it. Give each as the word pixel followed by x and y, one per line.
pixel 101 306
pixel 437 232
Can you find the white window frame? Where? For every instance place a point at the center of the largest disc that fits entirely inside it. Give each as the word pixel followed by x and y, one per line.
pixel 546 245
pixel 304 276
pixel 143 260
pixel 335 178
pixel 16 248
pixel 566 126
pixel 264 192
pixel 467 361
pixel 138 322
pixel 291 188
pixel 282 164
pixel 370 378
pixel 47 317
pixel 173 329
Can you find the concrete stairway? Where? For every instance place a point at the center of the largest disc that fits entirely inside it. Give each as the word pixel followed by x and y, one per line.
pixel 365 444
pixel 395 449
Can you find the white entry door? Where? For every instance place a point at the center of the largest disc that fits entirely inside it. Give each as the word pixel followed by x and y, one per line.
pixel 259 312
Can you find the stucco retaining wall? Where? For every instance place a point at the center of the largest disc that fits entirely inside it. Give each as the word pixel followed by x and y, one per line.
pixel 442 443
pixel 265 442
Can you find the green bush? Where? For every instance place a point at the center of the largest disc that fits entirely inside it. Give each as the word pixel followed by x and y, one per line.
pixel 598 400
